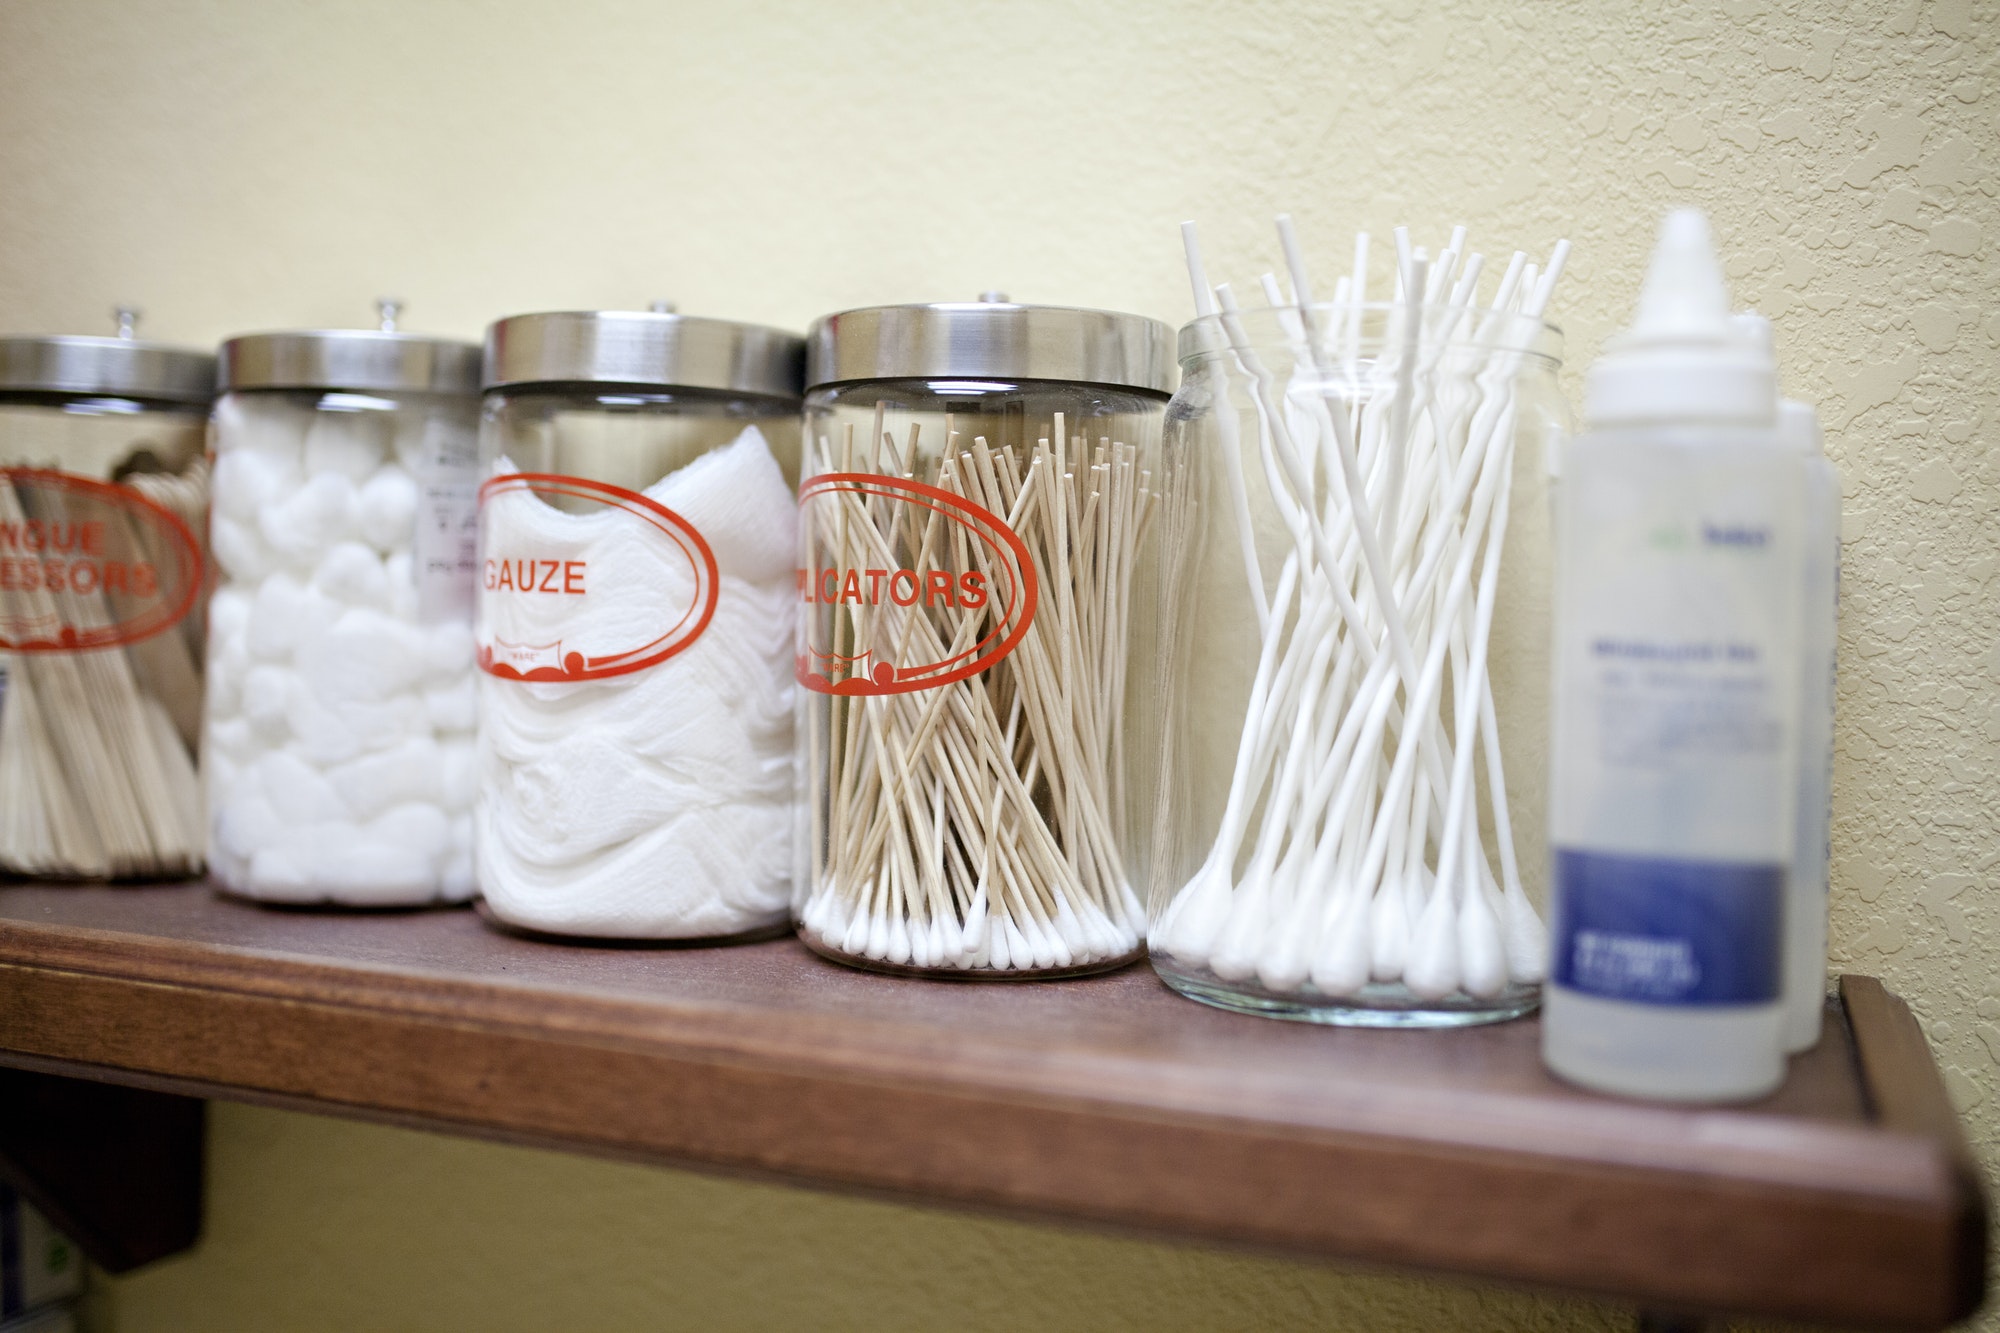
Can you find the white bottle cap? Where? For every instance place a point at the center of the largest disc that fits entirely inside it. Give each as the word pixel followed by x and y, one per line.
pixel 1685 358
pixel 1798 428
pixel 1798 423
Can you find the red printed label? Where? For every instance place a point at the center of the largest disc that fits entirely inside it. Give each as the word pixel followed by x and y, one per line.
pixel 906 586
pixel 581 580
pixel 88 564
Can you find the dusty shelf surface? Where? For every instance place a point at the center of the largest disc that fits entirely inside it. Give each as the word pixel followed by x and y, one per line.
pixel 1846 1197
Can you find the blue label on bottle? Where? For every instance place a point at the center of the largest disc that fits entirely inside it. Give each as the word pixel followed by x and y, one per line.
pixel 1654 931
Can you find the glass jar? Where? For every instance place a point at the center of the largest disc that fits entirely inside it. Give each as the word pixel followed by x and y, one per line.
pixel 1300 824
pixel 103 507
pixel 979 489
pixel 637 521
pixel 340 711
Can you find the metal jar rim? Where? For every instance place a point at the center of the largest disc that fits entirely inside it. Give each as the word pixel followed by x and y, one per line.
pixel 654 350
pixel 992 340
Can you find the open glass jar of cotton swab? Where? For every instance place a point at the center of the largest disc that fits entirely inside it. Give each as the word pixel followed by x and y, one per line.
pixel 1332 833
pixel 978 490
pixel 103 523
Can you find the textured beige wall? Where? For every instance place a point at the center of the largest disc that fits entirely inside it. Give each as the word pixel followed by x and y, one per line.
pixel 233 165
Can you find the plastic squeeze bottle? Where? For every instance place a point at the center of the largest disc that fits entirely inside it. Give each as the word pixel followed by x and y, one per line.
pixel 1806 886
pixel 1806 895
pixel 1674 769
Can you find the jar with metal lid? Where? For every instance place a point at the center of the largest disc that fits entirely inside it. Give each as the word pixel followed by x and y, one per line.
pixel 637 522
pixel 103 510
pixel 340 709
pixel 980 481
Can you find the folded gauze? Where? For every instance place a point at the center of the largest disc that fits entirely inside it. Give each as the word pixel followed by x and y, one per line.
pixel 657 804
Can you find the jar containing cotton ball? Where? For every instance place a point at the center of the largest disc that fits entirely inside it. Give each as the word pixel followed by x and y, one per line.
pixel 1331 832
pixel 338 743
pixel 103 516
pixel 635 597
pixel 980 482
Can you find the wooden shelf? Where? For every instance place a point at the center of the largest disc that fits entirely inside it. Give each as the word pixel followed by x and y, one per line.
pixel 1847 1197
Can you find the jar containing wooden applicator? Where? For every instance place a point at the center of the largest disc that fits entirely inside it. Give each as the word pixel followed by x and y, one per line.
pixel 979 481
pixel 103 511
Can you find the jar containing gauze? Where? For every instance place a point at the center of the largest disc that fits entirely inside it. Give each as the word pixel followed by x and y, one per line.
pixel 340 712
pixel 979 482
pixel 103 519
pixel 1332 832
pixel 636 534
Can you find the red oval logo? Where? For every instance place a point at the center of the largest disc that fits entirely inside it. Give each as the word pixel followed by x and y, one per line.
pixel 570 596
pixel 89 564
pixel 940 588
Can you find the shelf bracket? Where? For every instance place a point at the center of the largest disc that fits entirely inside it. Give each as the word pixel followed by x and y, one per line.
pixel 117 1170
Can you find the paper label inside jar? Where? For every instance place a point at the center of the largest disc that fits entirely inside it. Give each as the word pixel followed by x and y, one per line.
pixel 581 580
pixel 907 586
pixel 88 564
pixel 447 537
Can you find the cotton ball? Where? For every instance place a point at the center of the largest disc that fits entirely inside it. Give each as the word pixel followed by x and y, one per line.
pixel 239 549
pixel 373 875
pixel 295 869
pixel 389 509
pixel 448 648
pixel 299 792
pixel 329 733
pixel 283 612
pixel 280 875
pixel 217 773
pixel 232 736
pixel 349 444
pixel 229 663
pixel 366 656
pixel 247 480
pixel 419 826
pixel 269 425
pixel 312 518
pixel 247 823
pixel 453 707
pixel 458 775
pixel 372 783
pixel 456 882
pixel 228 613
pixel 228 869
pixel 267 693
pixel 401 572
pixel 350 572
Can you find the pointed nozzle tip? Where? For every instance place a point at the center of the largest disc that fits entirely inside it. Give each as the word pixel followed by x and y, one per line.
pixel 1684 295
pixel 1685 227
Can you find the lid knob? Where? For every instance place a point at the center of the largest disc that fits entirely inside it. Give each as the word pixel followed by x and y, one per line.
pixel 663 308
pixel 386 310
pixel 993 296
pixel 128 321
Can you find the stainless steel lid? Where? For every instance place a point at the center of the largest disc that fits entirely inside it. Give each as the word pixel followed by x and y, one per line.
pixel 120 367
pixel 382 359
pixel 991 338
pixel 653 350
